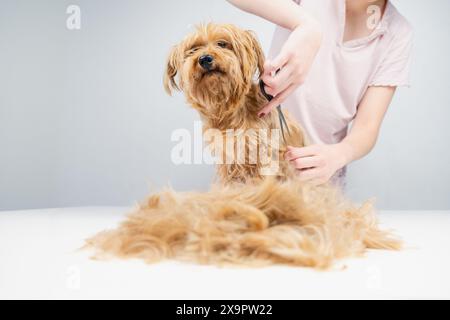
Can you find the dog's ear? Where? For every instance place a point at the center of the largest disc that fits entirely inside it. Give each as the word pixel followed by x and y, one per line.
pixel 250 54
pixel 173 63
pixel 258 57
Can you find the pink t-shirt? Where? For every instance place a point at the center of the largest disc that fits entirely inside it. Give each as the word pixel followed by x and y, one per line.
pixel 342 72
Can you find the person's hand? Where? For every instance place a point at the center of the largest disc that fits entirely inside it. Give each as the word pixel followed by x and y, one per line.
pixel 292 63
pixel 317 163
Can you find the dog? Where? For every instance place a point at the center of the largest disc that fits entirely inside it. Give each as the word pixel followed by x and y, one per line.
pixel 215 68
pixel 247 218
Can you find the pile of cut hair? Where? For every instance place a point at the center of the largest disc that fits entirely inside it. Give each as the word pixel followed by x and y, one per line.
pixel 246 218
pixel 269 222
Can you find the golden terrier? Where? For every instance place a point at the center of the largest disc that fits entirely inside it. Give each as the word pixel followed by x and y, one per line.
pixel 250 217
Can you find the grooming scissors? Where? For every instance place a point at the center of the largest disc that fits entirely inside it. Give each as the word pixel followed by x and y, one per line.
pixel 283 123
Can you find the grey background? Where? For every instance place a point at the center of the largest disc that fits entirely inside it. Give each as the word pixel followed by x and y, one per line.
pixel 84 119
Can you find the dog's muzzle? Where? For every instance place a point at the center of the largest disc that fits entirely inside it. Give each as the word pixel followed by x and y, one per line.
pixel 206 62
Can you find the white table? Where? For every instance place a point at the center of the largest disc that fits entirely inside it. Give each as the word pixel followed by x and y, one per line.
pixel 38 259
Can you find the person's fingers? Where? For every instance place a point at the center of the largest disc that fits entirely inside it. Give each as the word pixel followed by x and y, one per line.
pixel 268 90
pixel 268 80
pixel 276 101
pixel 280 60
pixel 280 82
pixel 309 174
pixel 295 153
pixel 271 66
pixel 268 68
pixel 306 162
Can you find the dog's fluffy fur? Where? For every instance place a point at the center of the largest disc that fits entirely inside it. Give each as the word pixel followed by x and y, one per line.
pixel 247 218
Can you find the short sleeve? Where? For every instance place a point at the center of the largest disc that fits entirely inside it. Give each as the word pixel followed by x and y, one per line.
pixel 394 69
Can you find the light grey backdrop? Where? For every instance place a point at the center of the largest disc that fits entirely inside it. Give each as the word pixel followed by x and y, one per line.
pixel 84 119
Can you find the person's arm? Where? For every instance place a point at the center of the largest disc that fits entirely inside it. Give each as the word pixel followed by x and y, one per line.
pixel 366 126
pixel 285 13
pixel 320 162
pixel 294 64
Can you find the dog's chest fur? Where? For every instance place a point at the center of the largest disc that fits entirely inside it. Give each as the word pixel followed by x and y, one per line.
pixel 247 147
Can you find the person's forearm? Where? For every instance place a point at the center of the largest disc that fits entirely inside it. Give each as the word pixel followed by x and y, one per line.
pixel 358 143
pixel 284 13
pixel 366 126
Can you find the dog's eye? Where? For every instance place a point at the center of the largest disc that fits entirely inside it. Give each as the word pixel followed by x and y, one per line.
pixel 192 51
pixel 222 44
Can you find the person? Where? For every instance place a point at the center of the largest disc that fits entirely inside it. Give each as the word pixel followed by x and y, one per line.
pixel 334 63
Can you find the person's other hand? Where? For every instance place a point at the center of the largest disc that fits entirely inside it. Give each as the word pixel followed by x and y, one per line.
pixel 317 163
pixel 292 63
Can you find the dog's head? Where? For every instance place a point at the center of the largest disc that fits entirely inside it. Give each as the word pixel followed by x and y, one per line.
pixel 214 66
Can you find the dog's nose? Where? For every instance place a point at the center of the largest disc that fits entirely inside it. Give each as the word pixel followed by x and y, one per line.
pixel 206 61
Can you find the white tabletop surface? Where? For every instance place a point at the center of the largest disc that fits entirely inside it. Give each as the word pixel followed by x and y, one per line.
pixel 38 259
